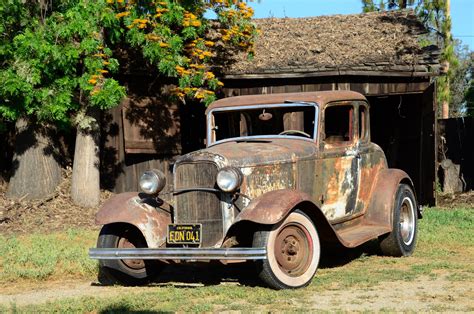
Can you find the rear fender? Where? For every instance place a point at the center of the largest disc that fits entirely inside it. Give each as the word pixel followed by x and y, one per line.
pixel 151 216
pixel 381 206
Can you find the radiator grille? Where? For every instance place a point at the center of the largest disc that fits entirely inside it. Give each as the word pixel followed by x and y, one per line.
pixel 198 206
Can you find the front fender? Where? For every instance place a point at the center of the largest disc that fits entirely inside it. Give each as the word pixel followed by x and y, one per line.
pixel 270 208
pixel 151 216
pixel 381 206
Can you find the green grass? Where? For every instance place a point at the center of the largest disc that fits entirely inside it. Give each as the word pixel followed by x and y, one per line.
pixel 445 248
pixel 36 257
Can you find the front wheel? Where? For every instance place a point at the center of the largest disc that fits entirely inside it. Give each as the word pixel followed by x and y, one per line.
pixel 293 252
pixel 402 240
pixel 129 272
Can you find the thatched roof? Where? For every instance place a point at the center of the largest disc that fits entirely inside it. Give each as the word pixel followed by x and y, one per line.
pixel 385 43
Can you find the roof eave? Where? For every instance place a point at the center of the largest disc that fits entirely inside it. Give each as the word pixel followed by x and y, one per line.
pixel 307 74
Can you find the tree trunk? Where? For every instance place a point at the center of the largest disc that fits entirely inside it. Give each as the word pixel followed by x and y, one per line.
pixel 35 170
pixel 447 42
pixel 85 188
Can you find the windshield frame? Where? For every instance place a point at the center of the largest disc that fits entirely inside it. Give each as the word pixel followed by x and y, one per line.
pixel 210 125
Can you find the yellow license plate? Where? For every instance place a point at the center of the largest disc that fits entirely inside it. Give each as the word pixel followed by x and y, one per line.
pixel 184 234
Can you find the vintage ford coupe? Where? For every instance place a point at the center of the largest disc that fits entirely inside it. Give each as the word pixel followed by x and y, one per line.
pixel 283 176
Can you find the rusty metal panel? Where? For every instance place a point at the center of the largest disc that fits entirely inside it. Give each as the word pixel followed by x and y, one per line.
pixel 273 206
pixel 149 215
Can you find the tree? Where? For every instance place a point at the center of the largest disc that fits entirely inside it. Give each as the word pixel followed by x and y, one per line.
pixel 60 69
pixel 370 6
pixel 460 80
pixel 469 94
pixel 435 15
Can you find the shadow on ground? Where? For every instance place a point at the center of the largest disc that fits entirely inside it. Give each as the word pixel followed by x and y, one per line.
pixel 191 275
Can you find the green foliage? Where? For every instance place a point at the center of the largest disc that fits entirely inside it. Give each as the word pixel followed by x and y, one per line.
pixel 371 5
pixel 59 59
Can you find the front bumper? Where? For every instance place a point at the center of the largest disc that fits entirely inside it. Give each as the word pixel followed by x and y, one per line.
pixel 194 254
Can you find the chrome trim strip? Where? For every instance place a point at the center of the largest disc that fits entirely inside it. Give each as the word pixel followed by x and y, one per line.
pixel 180 253
pixel 291 104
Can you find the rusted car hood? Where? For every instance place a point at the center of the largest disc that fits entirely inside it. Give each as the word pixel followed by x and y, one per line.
pixel 258 152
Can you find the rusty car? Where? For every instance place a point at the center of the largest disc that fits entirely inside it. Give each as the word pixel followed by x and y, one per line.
pixel 282 177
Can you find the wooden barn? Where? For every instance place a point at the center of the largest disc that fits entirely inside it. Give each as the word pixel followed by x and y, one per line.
pixel 377 54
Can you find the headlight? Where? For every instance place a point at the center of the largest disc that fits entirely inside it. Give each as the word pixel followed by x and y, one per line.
pixel 229 179
pixel 152 181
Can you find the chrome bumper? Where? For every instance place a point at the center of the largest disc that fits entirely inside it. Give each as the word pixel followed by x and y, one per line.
pixel 181 253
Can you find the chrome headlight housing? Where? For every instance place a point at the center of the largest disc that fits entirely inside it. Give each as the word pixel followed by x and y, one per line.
pixel 152 181
pixel 229 179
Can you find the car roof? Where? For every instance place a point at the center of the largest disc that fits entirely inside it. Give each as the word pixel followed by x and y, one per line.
pixel 321 98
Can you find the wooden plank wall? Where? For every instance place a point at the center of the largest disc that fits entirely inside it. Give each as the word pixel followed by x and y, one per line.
pixel 120 171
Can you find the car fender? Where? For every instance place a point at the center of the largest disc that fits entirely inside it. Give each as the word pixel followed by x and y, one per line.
pixel 381 206
pixel 272 207
pixel 150 215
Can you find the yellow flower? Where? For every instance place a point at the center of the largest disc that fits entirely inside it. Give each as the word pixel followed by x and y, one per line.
pixel 242 5
pixel 196 23
pixel 220 83
pixel 110 1
pixel 164 45
pixel 122 14
pixel 103 71
pixel 105 62
pixel 92 81
pixel 141 26
pixel 210 75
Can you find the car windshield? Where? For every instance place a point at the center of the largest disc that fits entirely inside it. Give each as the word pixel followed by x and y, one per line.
pixel 245 123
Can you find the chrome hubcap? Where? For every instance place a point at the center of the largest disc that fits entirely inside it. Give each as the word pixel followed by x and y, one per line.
pixel 407 221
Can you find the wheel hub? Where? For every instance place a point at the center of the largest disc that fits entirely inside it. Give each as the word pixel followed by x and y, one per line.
pixel 124 243
pixel 293 250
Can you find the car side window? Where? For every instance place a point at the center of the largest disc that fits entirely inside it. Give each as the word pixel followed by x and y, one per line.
pixel 338 124
pixel 363 123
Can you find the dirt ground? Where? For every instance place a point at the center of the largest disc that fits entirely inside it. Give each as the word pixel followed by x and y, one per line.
pixel 423 295
pixel 56 212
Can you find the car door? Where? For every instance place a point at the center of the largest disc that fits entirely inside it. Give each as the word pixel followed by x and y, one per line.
pixel 339 164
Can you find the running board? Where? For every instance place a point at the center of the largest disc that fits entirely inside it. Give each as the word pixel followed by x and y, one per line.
pixel 180 253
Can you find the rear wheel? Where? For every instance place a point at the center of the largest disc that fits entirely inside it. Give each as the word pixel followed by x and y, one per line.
pixel 293 252
pixel 126 272
pixel 402 240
